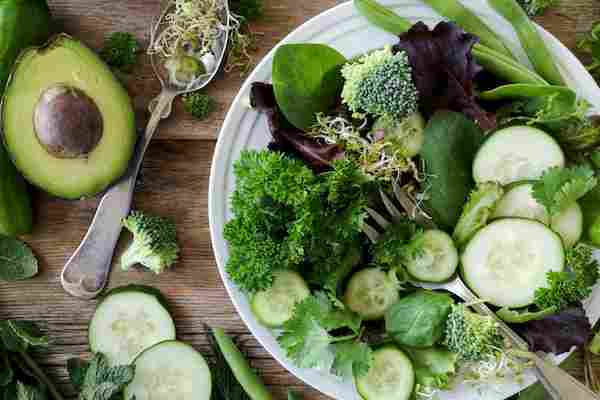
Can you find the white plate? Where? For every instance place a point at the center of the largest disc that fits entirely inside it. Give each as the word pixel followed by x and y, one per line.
pixel 344 29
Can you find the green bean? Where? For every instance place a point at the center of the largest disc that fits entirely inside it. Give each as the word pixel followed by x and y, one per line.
pixel 525 91
pixel 532 42
pixel 455 11
pixel 245 375
pixel 502 66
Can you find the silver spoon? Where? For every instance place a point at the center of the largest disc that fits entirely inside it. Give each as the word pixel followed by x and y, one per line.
pixel 86 272
pixel 557 382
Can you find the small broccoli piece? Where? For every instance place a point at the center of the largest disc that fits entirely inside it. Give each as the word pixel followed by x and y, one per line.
pixel 380 83
pixel 534 8
pixel 199 104
pixel 249 10
pixel 471 336
pixel 120 50
pixel 571 285
pixel 154 242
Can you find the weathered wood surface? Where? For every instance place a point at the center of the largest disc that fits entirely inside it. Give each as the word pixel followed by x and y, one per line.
pixel 175 182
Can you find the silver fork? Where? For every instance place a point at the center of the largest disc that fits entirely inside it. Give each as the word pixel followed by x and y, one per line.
pixel 558 383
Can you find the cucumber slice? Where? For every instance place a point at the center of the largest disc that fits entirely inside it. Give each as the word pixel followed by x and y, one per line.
pixel 516 153
pixel 275 305
pixel 370 293
pixel 439 258
pixel 129 320
pixel 391 376
pixel 170 370
pixel 508 260
pixel 519 202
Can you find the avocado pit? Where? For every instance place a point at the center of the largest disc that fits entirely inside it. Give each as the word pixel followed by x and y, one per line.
pixel 67 122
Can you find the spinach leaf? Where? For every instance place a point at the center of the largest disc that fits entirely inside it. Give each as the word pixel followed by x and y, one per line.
pixel 451 141
pixel 307 80
pixel 418 320
pixel 17 261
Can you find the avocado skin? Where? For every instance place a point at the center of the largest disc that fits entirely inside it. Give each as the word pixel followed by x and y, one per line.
pixel 23 23
pixel 15 204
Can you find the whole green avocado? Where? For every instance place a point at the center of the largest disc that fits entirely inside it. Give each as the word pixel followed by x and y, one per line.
pixel 23 23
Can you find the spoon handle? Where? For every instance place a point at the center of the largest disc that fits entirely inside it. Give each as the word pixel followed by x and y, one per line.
pixel 86 272
pixel 557 382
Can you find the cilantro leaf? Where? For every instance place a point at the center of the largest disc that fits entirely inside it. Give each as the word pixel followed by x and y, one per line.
pixel 17 261
pixel 352 358
pixel 573 285
pixel 307 337
pixel 101 381
pixel 558 188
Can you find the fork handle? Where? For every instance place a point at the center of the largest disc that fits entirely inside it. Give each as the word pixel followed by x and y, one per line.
pixel 557 382
pixel 86 272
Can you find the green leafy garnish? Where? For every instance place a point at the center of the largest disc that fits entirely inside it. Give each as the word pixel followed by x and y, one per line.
pixel 571 285
pixel 17 261
pixel 558 188
pixel 401 241
pixel 199 104
pixel 120 51
pixel 102 382
pixel 25 392
pixel 286 216
pixel 247 9
pixel 308 340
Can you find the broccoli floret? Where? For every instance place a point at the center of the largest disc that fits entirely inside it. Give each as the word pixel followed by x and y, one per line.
pixel 120 50
pixel 199 104
pixel 380 83
pixel 534 8
pixel 154 242
pixel 471 336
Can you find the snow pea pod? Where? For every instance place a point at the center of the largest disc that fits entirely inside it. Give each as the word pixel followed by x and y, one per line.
pixel 537 51
pixel 502 66
pixel 524 91
pixel 455 11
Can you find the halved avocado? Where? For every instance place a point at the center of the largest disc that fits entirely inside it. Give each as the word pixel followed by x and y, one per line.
pixel 68 123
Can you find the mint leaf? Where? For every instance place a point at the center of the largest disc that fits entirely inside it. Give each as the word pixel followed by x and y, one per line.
pixel 558 188
pixel 30 393
pixel 102 382
pixel 18 336
pixel 17 261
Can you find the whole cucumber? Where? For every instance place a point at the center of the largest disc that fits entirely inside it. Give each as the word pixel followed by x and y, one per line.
pixel 23 23
pixel 15 204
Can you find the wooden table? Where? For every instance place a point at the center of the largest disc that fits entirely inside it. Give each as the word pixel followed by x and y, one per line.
pixel 175 183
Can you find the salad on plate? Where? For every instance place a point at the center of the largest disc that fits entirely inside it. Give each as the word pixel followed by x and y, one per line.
pixel 440 154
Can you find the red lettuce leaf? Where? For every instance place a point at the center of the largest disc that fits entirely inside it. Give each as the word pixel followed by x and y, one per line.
pixel 558 333
pixel 288 139
pixel 443 70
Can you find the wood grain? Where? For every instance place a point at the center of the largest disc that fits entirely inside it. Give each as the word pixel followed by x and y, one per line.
pixel 175 182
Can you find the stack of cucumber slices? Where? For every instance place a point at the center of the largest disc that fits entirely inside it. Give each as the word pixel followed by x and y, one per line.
pixel 506 261
pixel 132 325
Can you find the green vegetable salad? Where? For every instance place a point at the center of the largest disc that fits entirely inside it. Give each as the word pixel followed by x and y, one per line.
pixel 400 170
